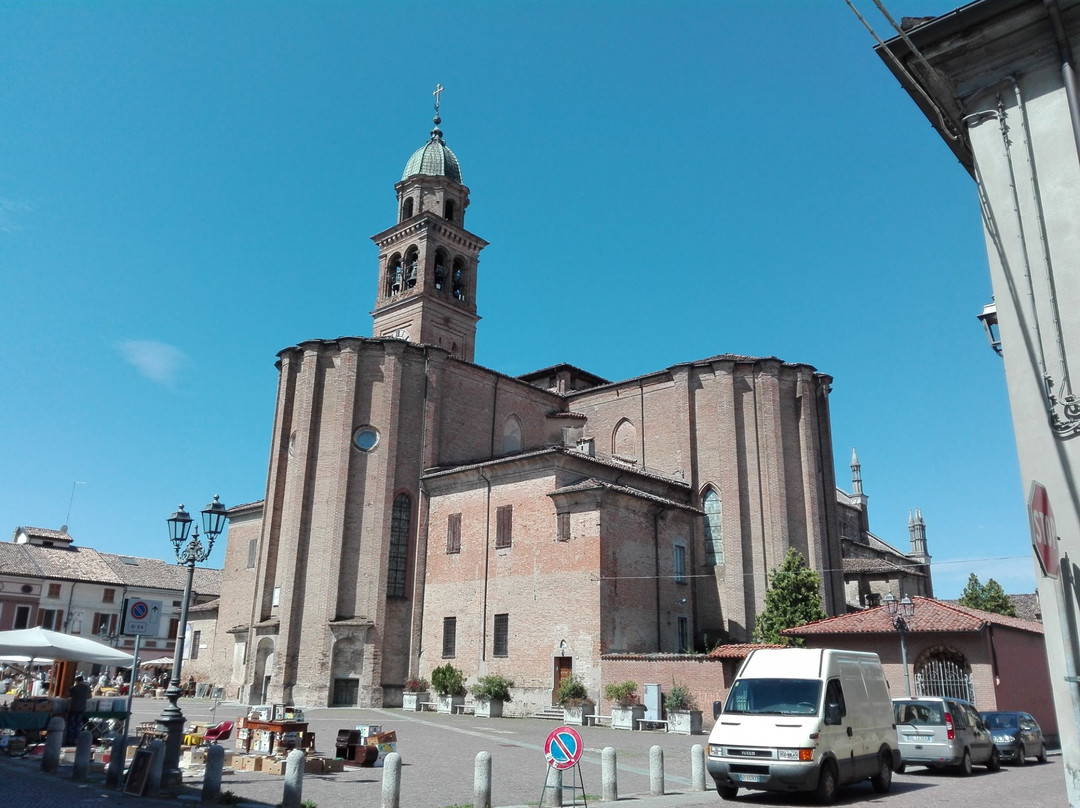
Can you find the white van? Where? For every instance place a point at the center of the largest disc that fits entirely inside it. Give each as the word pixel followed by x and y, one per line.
pixel 804 719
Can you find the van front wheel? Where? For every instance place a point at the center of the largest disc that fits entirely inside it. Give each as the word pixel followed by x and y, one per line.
pixel 728 792
pixel 826 786
pixel 882 781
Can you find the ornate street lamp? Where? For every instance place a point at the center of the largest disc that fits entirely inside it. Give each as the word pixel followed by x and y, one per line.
pixel 900 612
pixel 188 554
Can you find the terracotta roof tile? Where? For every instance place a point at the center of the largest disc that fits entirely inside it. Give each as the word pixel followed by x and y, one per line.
pixel 931 615
pixel 739 650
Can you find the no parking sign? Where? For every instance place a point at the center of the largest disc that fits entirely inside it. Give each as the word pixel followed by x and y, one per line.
pixel 563 748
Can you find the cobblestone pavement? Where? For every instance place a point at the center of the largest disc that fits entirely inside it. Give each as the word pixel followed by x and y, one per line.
pixel 438 756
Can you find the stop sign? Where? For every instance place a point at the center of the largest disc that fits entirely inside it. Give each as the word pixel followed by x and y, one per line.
pixel 1043 530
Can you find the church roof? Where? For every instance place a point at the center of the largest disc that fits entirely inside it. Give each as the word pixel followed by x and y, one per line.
pixel 434 159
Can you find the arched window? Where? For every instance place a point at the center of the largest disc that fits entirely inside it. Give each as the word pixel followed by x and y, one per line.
pixel 714 527
pixel 458 280
pixel 393 275
pixel 411 267
pixel 406 209
pixel 511 435
pixel 399 546
pixel 624 442
pixel 442 269
pixel 449 210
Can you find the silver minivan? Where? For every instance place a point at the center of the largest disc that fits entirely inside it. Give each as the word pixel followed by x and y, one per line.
pixel 933 732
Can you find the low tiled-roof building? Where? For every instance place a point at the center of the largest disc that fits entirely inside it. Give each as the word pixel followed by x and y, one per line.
pixel 994 661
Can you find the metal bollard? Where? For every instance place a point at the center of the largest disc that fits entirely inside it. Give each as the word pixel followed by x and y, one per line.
pixel 215 765
pixel 391 781
pixel 609 774
pixel 293 792
pixel 81 767
pixel 482 780
pixel 54 739
pixel 656 771
pixel 697 767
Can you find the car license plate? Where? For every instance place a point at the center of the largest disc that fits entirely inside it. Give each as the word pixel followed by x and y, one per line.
pixel 919 737
pixel 750 778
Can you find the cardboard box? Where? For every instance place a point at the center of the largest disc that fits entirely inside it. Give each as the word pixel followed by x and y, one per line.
pixel 274 766
pixel 333 765
pixel 380 738
pixel 195 757
pixel 313 765
pixel 251 763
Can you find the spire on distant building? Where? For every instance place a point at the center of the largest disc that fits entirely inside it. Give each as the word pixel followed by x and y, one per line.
pixel 856 474
pixel 917 534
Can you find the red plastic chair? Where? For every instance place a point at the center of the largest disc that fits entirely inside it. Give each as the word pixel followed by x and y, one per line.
pixel 218 733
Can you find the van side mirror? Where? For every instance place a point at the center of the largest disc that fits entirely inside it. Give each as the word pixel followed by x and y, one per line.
pixel 832 714
pixel 716 708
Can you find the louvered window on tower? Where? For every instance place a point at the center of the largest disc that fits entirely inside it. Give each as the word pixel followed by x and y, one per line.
pixel 504 525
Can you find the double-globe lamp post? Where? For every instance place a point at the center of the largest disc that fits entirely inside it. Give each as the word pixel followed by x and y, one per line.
pixel 188 554
pixel 900 612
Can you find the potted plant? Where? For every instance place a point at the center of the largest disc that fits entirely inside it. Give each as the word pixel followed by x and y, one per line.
pixel 574 699
pixel 490 693
pixel 683 716
pixel 625 709
pixel 416 693
pixel 449 685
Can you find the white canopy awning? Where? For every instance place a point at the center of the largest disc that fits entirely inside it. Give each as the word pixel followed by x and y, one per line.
pixel 40 643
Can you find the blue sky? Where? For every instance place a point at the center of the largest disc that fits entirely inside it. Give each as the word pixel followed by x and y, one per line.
pixel 188 188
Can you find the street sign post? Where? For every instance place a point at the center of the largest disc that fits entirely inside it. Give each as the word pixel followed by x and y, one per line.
pixel 1043 530
pixel 141 616
pixel 563 751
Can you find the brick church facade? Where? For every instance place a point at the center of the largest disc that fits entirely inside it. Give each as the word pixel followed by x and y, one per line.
pixel 421 509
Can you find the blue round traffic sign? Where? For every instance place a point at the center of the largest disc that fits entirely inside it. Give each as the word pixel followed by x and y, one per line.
pixel 563 748
pixel 139 610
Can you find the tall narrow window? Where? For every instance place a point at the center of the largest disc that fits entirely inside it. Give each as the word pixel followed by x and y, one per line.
pixel 680 564
pixel 624 441
pixel 504 525
pixel 562 527
pixel 196 639
pixel 407 209
pixel 399 546
pixel 22 617
pixel 412 268
pixel 393 275
pixel 714 527
pixel 253 553
pixel 54 590
pixel 449 637
pixel 684 635
pixel 501 636
pixel 457 281
pixel 449 210
pixel 108 596
pixel 453 533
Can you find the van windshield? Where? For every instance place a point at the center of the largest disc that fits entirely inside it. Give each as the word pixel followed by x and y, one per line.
pixel 774 697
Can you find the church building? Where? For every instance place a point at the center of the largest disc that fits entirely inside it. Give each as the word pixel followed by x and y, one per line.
pixel 421 509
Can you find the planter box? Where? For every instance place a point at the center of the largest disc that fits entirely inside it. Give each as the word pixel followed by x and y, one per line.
pixel 625 717
pixel 684 722
pixel 576 715
pixel 488 708
pixel 412 701
pixel 450 704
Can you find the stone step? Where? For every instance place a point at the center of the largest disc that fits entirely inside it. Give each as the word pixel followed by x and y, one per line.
pixel 553 713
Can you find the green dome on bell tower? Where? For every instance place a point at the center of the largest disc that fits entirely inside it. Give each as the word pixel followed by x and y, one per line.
pixel 434 158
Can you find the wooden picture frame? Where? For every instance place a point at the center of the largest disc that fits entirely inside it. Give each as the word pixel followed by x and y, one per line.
pixel 138 775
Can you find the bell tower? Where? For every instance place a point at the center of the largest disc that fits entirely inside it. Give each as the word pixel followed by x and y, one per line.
pixel 428 260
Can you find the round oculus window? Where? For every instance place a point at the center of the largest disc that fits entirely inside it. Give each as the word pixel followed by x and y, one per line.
pixel 366 438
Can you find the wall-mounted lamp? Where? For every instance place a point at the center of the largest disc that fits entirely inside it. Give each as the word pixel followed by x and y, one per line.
pixel 989 319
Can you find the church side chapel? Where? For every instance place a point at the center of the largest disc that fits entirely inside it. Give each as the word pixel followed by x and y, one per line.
pixel 421 509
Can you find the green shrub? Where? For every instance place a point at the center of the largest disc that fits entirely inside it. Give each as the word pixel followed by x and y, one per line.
pixel 572 693
pixel 448 681
pixel 679 698
pixel 623 694
pixel 492 687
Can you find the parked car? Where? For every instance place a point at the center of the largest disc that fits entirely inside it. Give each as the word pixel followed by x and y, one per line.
pixel 1017 735
pixel 939 732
